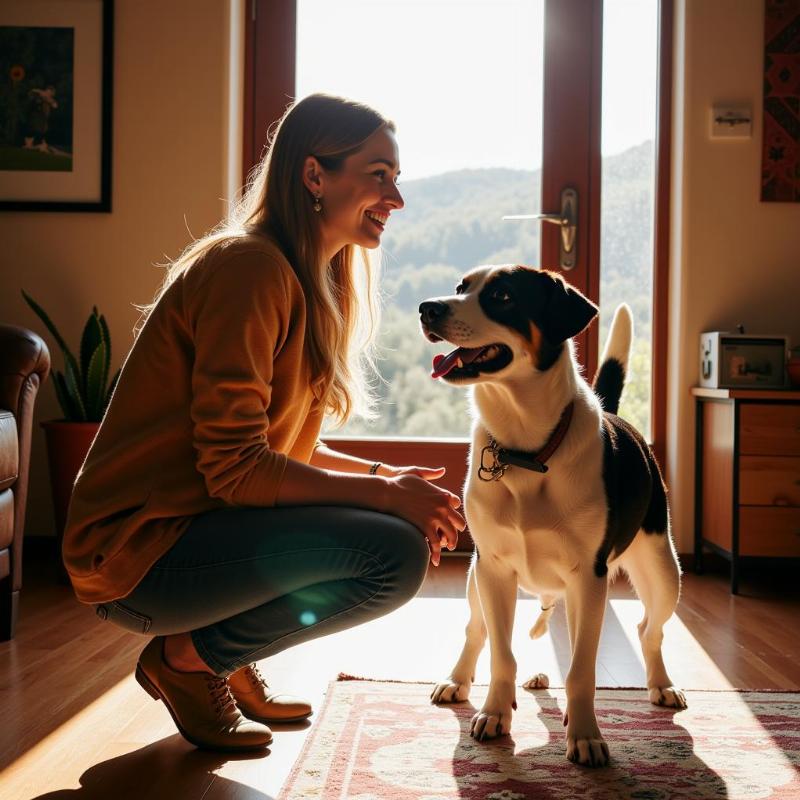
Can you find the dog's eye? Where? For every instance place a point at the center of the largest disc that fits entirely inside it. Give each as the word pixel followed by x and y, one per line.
pixel 460 288
pixel 501 296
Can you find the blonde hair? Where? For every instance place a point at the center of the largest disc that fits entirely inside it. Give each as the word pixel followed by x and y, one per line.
pixel 342 299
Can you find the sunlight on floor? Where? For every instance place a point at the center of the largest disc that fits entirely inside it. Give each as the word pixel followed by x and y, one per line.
pixel 422 640
pixel 99 717
pixel 418 642
pixel 684 657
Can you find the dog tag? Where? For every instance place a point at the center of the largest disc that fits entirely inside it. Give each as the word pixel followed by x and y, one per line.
pixel 495 470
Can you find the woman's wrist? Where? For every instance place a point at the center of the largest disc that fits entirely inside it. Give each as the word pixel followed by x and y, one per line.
pixel 364 491
pixel 324 457
pixel 383 497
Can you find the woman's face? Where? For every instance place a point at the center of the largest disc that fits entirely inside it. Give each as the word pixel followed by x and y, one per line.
pixel 358 198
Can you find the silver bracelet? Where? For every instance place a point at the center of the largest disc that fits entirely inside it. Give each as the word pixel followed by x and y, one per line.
pixel 373 470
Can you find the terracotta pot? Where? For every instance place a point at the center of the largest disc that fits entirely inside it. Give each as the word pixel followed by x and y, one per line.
pixel 67 446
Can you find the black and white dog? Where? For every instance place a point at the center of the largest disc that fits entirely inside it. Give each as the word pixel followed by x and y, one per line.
pixel 561 492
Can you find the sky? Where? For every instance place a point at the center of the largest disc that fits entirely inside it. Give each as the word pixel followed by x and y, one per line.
pixel 462 78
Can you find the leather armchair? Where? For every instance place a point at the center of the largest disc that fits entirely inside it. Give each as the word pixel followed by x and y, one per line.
pixel 24 365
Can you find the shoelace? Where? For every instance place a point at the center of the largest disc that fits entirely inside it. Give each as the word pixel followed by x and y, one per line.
pixel 255 677
pixel 220 693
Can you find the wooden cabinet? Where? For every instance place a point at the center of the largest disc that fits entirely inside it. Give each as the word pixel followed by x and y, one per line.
pixel 747 475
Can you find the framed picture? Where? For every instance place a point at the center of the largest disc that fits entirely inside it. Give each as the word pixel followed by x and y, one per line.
pixel 56 60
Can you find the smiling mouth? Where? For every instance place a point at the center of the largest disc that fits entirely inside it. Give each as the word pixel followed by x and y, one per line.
pixel 378 220
pixel 469 362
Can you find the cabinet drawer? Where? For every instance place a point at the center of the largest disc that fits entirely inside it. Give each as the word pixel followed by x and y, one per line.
pixel 769 480
pixel 769 531
pixel 769 430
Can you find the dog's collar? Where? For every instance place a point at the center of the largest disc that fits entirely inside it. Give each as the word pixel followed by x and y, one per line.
pixel 503 459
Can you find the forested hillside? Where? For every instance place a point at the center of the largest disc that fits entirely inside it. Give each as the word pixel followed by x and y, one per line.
pixel 452 222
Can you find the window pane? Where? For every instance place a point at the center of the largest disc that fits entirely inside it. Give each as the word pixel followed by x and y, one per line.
pixel 462 81
pixel 630 53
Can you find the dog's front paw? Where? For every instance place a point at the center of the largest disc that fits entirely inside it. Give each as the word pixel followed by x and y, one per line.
pixel 588 748
pixel 494 718
pixel 489 723
pixel 451 691
pixel 670 696
pixel 538 681
pixel 585 743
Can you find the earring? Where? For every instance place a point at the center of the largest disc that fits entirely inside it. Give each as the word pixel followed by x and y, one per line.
pixel 317 203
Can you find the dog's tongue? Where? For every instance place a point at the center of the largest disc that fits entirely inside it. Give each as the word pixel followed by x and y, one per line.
pixel 443 364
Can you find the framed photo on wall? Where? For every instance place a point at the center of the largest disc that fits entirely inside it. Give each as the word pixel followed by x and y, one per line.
pixel 56 65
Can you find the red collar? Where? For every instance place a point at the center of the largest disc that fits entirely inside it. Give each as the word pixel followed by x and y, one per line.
pixel 502 458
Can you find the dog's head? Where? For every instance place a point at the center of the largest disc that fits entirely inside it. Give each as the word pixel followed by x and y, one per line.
pixel 504 320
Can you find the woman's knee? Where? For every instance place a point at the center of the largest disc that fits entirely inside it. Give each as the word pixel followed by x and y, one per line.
pixel 405 554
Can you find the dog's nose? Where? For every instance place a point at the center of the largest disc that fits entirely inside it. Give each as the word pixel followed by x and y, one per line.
pixel 433 311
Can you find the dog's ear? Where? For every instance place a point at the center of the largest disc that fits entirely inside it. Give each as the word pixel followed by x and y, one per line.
pixel 566 313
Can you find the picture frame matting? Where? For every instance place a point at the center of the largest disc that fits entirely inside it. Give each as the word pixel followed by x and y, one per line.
pixel 56 91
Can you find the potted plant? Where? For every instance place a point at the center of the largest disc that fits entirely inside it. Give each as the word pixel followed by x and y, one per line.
pixel 83 391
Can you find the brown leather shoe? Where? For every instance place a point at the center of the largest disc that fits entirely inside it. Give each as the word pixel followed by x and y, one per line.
pixel 200 704
pixel 257 702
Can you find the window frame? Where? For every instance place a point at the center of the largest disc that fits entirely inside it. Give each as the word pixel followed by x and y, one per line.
pixel 269 85
pixel 270 51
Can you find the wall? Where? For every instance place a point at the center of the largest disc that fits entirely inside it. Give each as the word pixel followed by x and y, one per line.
pixel 170 173
pixel 734 259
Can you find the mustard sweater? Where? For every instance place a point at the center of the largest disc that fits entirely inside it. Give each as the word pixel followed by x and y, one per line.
pixel 213 397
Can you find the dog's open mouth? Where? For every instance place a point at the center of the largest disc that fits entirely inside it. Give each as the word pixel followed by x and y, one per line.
pixel 469 362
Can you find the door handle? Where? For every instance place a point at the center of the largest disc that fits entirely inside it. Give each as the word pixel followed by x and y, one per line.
pixel 568 221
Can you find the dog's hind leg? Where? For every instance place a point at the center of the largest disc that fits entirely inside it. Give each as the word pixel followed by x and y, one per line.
pixel 540 680
pixel 457 686
pixel 653 569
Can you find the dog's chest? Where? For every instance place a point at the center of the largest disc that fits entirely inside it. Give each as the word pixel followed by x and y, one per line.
pixel 514 502
pixel 524 530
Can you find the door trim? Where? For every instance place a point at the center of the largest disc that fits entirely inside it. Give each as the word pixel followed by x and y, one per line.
pixel 572 105
pixel 269 81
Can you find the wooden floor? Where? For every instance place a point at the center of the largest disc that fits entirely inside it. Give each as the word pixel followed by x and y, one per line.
pixel 75 725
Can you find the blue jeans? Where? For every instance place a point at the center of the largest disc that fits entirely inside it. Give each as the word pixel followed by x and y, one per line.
pixel 250 582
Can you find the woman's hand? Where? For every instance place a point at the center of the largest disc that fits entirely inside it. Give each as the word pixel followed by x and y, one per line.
pixel 430 508
pixel 404 492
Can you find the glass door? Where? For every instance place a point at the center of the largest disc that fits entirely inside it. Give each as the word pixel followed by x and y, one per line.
pixel 629 112
pixel 463 83
pixel 500 105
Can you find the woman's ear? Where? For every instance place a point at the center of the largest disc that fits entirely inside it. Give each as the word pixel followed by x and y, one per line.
pixel 312 176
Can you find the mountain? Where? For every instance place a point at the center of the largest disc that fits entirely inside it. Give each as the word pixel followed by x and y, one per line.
pixel 452 222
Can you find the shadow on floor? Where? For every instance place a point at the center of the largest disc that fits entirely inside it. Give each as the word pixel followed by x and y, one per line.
pixel 666 766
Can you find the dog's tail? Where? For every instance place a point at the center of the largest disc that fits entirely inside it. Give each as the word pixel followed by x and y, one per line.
pixel 610 378
pixel 540 626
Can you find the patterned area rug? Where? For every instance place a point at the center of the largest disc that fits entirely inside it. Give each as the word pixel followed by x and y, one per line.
pixel 384 741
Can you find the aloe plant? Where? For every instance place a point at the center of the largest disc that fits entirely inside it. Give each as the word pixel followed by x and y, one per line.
pixel 83 389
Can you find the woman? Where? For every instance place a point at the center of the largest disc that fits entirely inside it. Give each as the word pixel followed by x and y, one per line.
pixel 208 512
